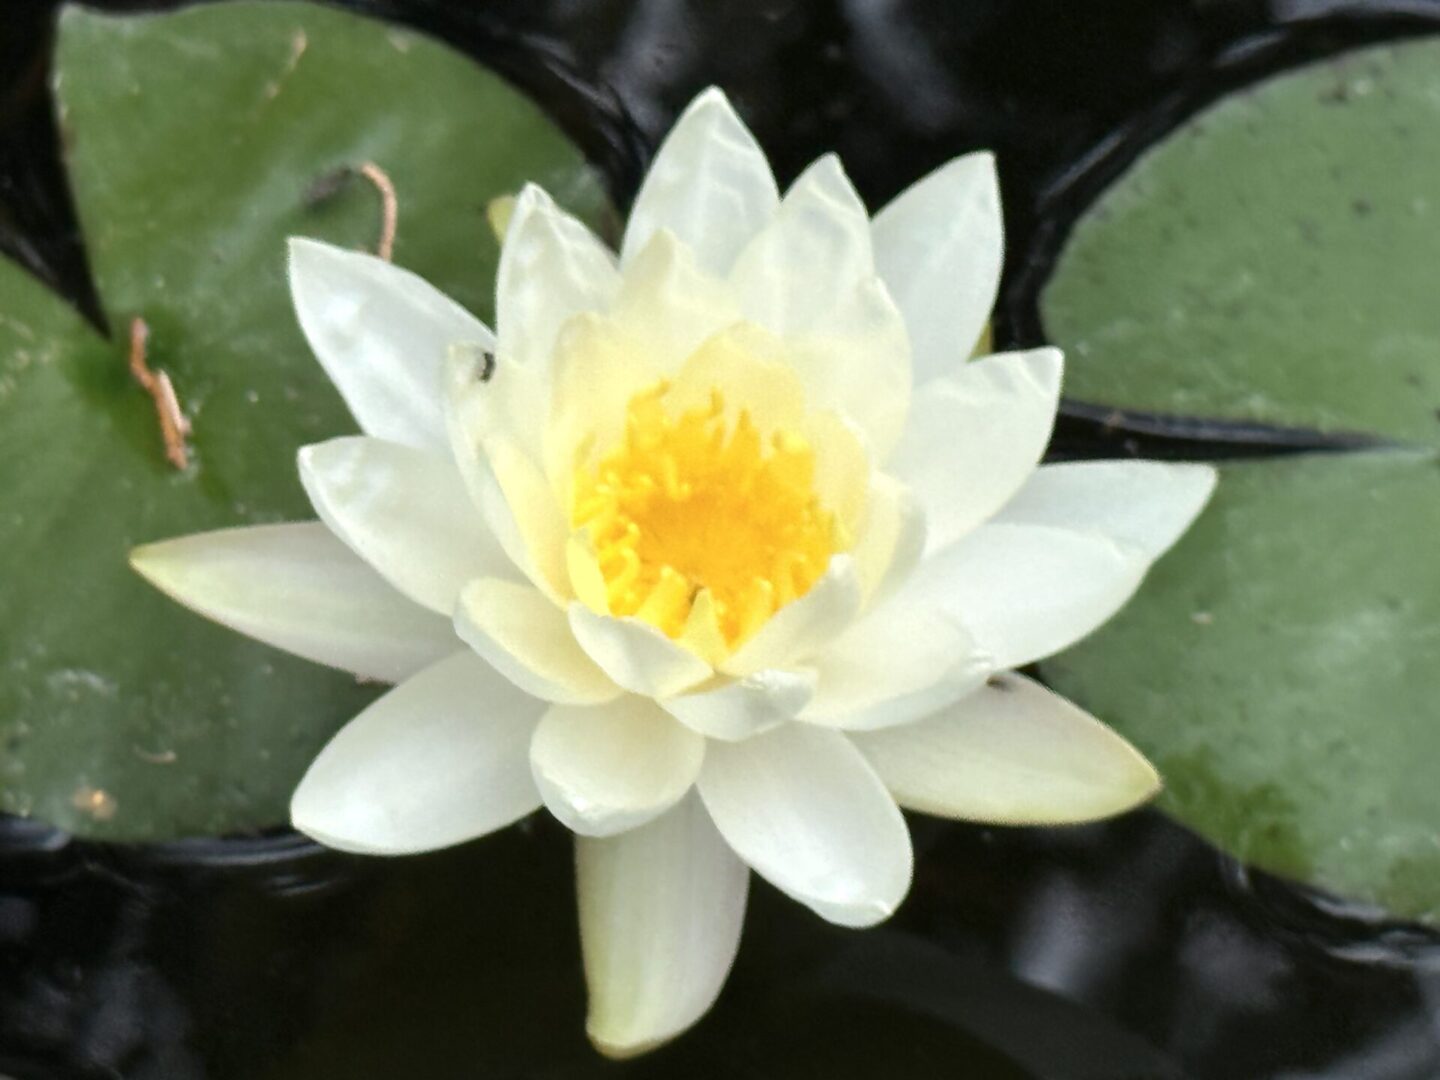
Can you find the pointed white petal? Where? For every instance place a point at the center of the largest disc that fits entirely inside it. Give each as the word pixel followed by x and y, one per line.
pixel 892 539
pixel 440 759
pixel 1027 591
pixel 636 655
pixel 551 268
pixel 527 638
pixel 1012 753
pixel 974 435
pixel 381 333
pixel 732 709
pixel 668 305
pixel 298 588
pixel 603 769
pixel 505 482
pixel 405 512
pixel 895 651
pixel 661 909
pixel 806 811
pixel 803 627
pixel 938 247
pixel 709 184
pixel 1145 504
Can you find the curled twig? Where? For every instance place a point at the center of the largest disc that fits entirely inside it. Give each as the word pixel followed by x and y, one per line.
pixel 328 184
pixel 173 425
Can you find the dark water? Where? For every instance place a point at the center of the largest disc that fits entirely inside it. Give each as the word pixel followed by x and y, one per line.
pixel 1124 950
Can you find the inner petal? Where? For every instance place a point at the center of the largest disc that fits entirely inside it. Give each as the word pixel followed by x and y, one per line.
pixel 701 518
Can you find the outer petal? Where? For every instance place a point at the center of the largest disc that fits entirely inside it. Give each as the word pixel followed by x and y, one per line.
pixel 298 588
pixel 803 627
pixel 405 512
pixel 938 247
pixel 551 267
pixel 637 655
pixel 974 435
pixel 1145 504
pixel 438 760
pixel 803 808
pixel 1027 591
pixel 709 184
pixel 527 638
pixel 607 768
pixel 381 333
pixel 661 909
pixel 900 649
pixel 733 709
pixel 1011 753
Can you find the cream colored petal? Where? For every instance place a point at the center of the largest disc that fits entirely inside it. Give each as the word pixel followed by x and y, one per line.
pixel 1012 753
pixel 1027 591
pixel 405 512
pixel 505 483
pixel 939 247
pixel 440 759
pixel 1145 504
pixel 661 909
pixel 842 468
pixel 732 709
pixel 298 588
pixel 975 435
pixel 603 769
pixel 668 305
pixel 381 334
pixel 803 627
pixel 892 539
pixel 551 268
pixel 747 365
pixel 815 251
pixel 956 678
pixel 527 638
pixel 709 184
pixel 636 655
pixel 809 815
pixel 896 650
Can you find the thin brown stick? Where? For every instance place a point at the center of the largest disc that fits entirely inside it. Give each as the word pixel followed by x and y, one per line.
pixel 173 425
pixel 389 207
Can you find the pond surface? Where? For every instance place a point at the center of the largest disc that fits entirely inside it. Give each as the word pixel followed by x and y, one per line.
pixel 1129 949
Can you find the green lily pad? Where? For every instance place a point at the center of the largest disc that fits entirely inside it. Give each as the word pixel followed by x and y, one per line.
pixel 194 142
pixel 1274 259
pixel 1279 667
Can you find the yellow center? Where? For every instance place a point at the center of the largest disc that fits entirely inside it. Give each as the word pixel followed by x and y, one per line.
pixel 688 510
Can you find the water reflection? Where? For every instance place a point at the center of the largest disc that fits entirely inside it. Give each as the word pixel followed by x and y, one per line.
pixel 1129 949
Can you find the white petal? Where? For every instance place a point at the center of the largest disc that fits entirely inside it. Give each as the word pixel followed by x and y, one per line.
pixel 551 268
pixel 405 512
pixel 1011 753
pixel 381 333
pixel 806 811
pixel 298 588
pixel 1145 504
pixel 895 651
pixel 440 759
pixel 974 435
pixel 892 539
pixel 661 909
pixel 506 484
pixel 816 250
pixel 527 638
pixel 1027 591
pixel 603 769
pixel 809 277
pixel 709 184
pixel 803 627
pixel 732 709
pixel 938 247
pixel 636 655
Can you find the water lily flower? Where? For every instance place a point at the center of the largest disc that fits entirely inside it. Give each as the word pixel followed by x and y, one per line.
pixel 721 549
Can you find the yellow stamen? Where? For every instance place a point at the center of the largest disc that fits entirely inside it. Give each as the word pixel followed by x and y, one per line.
pixel 691 506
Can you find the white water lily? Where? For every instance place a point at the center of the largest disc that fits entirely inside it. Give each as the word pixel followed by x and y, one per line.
pixel 720 549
